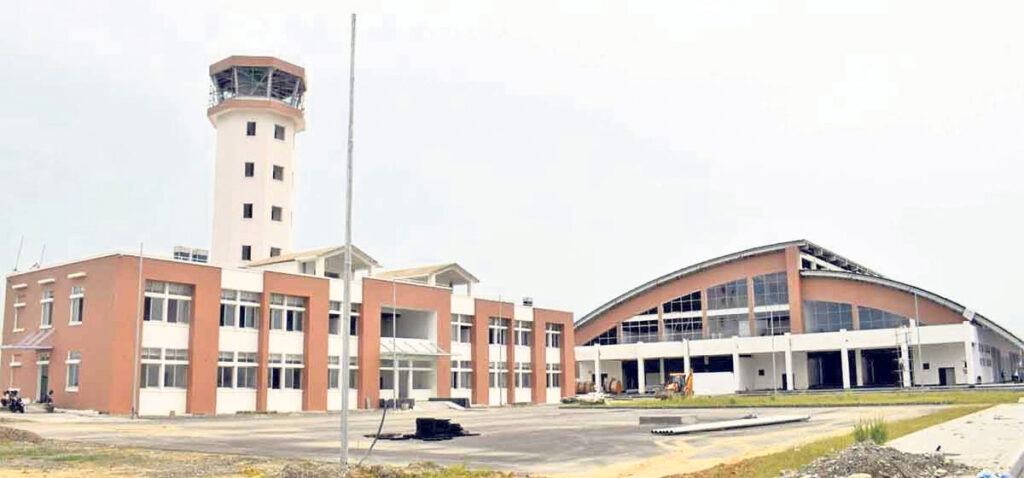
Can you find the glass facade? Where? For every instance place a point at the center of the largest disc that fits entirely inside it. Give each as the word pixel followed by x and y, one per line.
pixel 822 316
pixel 772 323
pixel 879 319
pixel 771 289
pixel 689 328
pixel 724 326
pixel 686 303
pixel 640 331
pixel 731 295
pixel 609 337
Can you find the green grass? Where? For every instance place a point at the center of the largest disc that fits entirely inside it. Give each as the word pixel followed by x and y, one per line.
pixel 826 399
pixel 772 465
pixel 875 430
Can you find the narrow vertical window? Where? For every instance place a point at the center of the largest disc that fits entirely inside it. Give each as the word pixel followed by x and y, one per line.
pixel 278 173
pixel 250 128
pixel 279 132
pixel 275 213
pixel 247 211
pixel 250 170
pixel 246 253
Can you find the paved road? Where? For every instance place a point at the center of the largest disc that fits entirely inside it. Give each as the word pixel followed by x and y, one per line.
pixel 992 439
pixel 538 439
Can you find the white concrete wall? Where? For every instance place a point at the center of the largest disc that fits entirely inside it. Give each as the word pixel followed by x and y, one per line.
pixel 234 339
pixel 334 400
pixel 234 400
pixel 524 395
pixel 714 383
pixel 939 356
pixel 241 279
pixel 161 401
pixel 463 304
pixel 232 188
pixel 289 400
pixel 554 395
pixel 164 335
pixel 751 365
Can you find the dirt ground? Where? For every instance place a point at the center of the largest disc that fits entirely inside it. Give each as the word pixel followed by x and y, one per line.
pixel 538 440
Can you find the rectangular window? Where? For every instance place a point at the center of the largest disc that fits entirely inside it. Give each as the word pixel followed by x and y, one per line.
pixel 880 319
pixel 522 332
pixel 167 302
pixel 688 328
pixel 274 378
pixel 523 375
pixel 275 251
pixel 246 377
pixel 149 375
pixel 74 363
pixel 275 213
pixel 553 336
pixel 293 378
pixel 46 308
pixel 733 325
pixel 635 331
pixel 608 337
pixel 246 253
pixel 250 170
pixel 250 128
pixel 227 315
pixel 731 295
pixel 247 210
pixel 462 374
pixel 497 331
pixel 772 323
pixel 175 375
pixel 462 328
pixel 279 132
pixel 225 377
pixel 278 173
pixel 686 303
pixel 554 375
pixel 771 289
pixel 820 316
pixel 16 324
pixel 77 304
pixel 287 312
pixel 498 374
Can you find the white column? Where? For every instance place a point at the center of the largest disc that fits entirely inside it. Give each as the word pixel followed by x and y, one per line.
pixel 597 369
pixel 686 357
pixel 969 353
pixel 858 361
pixel 790 380
pixel 737 374
pixel 905 363
pixel 641 375
pixel 844 358
pixel 661 367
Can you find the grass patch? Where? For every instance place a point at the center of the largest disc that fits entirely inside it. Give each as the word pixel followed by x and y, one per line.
pixel 769 466
pixel 875 430
pixel 826 399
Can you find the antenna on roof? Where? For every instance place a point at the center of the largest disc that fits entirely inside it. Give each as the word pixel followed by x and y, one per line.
pixel 17 258
pixel 42 254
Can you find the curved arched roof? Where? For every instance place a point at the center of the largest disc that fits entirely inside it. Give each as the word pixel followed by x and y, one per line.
pixel 804 245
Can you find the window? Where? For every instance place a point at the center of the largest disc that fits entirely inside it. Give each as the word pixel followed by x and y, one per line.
pixel 462 374
pixel 462 328
pixel 822 316
pixel 279 132
pixel 771 289
pixel 686 303
pixel 74 364
pixel 634 331
pixel 609 337
pixel 553 336
pixel 239 308
pixel 77 304
pixel 287 312
pixel 250 128
pixel 334 318
pixel 250 170
pixel 554 375
pixel 522 332
pixel 246 253
pixel 149 375
pixel 772 323
pixel 880 319
pixel 275 213
pixel 732 325
pixel 46 308
pixel 226 370
pixel 167 302
pixel 497 331
pixel 275 251
pixel 651 311
pixel 247 210
pixel 684 328
pixel 175 368
pixel 16 324
pixel 805 264
pixel 498 372
pixel 278 173
pixel 245 372
pixel 333 372
pixel 523 375
pixel 731 295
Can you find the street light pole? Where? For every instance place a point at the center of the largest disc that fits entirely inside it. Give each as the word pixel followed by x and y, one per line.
pixel 346 308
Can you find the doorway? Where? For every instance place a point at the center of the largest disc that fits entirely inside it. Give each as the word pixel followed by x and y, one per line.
pixel 43 381
pixel 947 376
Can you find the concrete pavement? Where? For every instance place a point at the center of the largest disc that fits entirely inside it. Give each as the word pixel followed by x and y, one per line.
pixel 992 439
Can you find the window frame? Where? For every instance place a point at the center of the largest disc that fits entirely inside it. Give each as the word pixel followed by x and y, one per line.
pixel 77 297
pixel 46 308
pixel 74 358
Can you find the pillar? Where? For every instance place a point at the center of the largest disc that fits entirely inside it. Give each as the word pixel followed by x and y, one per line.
pixel 597 370
pixel 844 359
pixel 641 375
pixel 905 364
pixel 661 369
pixel 686 356
pixel 969 353
pixel 859 360
pixel 736 369
pixel 790 380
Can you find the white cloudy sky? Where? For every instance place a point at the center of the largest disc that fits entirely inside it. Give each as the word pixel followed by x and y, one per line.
pixel 567 152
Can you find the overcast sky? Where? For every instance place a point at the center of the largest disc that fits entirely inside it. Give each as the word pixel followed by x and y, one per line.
pixel 565 153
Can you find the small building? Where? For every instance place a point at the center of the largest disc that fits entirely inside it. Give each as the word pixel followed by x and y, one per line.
pixel 789 316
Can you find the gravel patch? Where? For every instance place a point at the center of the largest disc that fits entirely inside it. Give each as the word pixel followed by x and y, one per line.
pixel 865 460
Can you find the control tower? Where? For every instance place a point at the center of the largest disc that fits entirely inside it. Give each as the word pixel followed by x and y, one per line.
pixel 256 106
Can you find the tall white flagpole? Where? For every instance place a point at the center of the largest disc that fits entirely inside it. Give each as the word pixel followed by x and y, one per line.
pixel 346 308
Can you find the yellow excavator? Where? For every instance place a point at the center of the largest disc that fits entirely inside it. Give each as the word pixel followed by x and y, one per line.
pixel 677 384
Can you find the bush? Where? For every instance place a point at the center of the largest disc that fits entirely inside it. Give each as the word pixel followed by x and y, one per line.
pixel 875 430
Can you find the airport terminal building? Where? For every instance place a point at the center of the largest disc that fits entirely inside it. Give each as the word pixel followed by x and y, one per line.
pixel 789 316
pixel 257 325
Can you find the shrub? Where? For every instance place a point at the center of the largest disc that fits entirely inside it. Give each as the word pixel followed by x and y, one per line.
pixel 874 429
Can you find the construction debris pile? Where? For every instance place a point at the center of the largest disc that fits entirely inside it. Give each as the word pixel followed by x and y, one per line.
pixel 429 429
pixel 869 460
